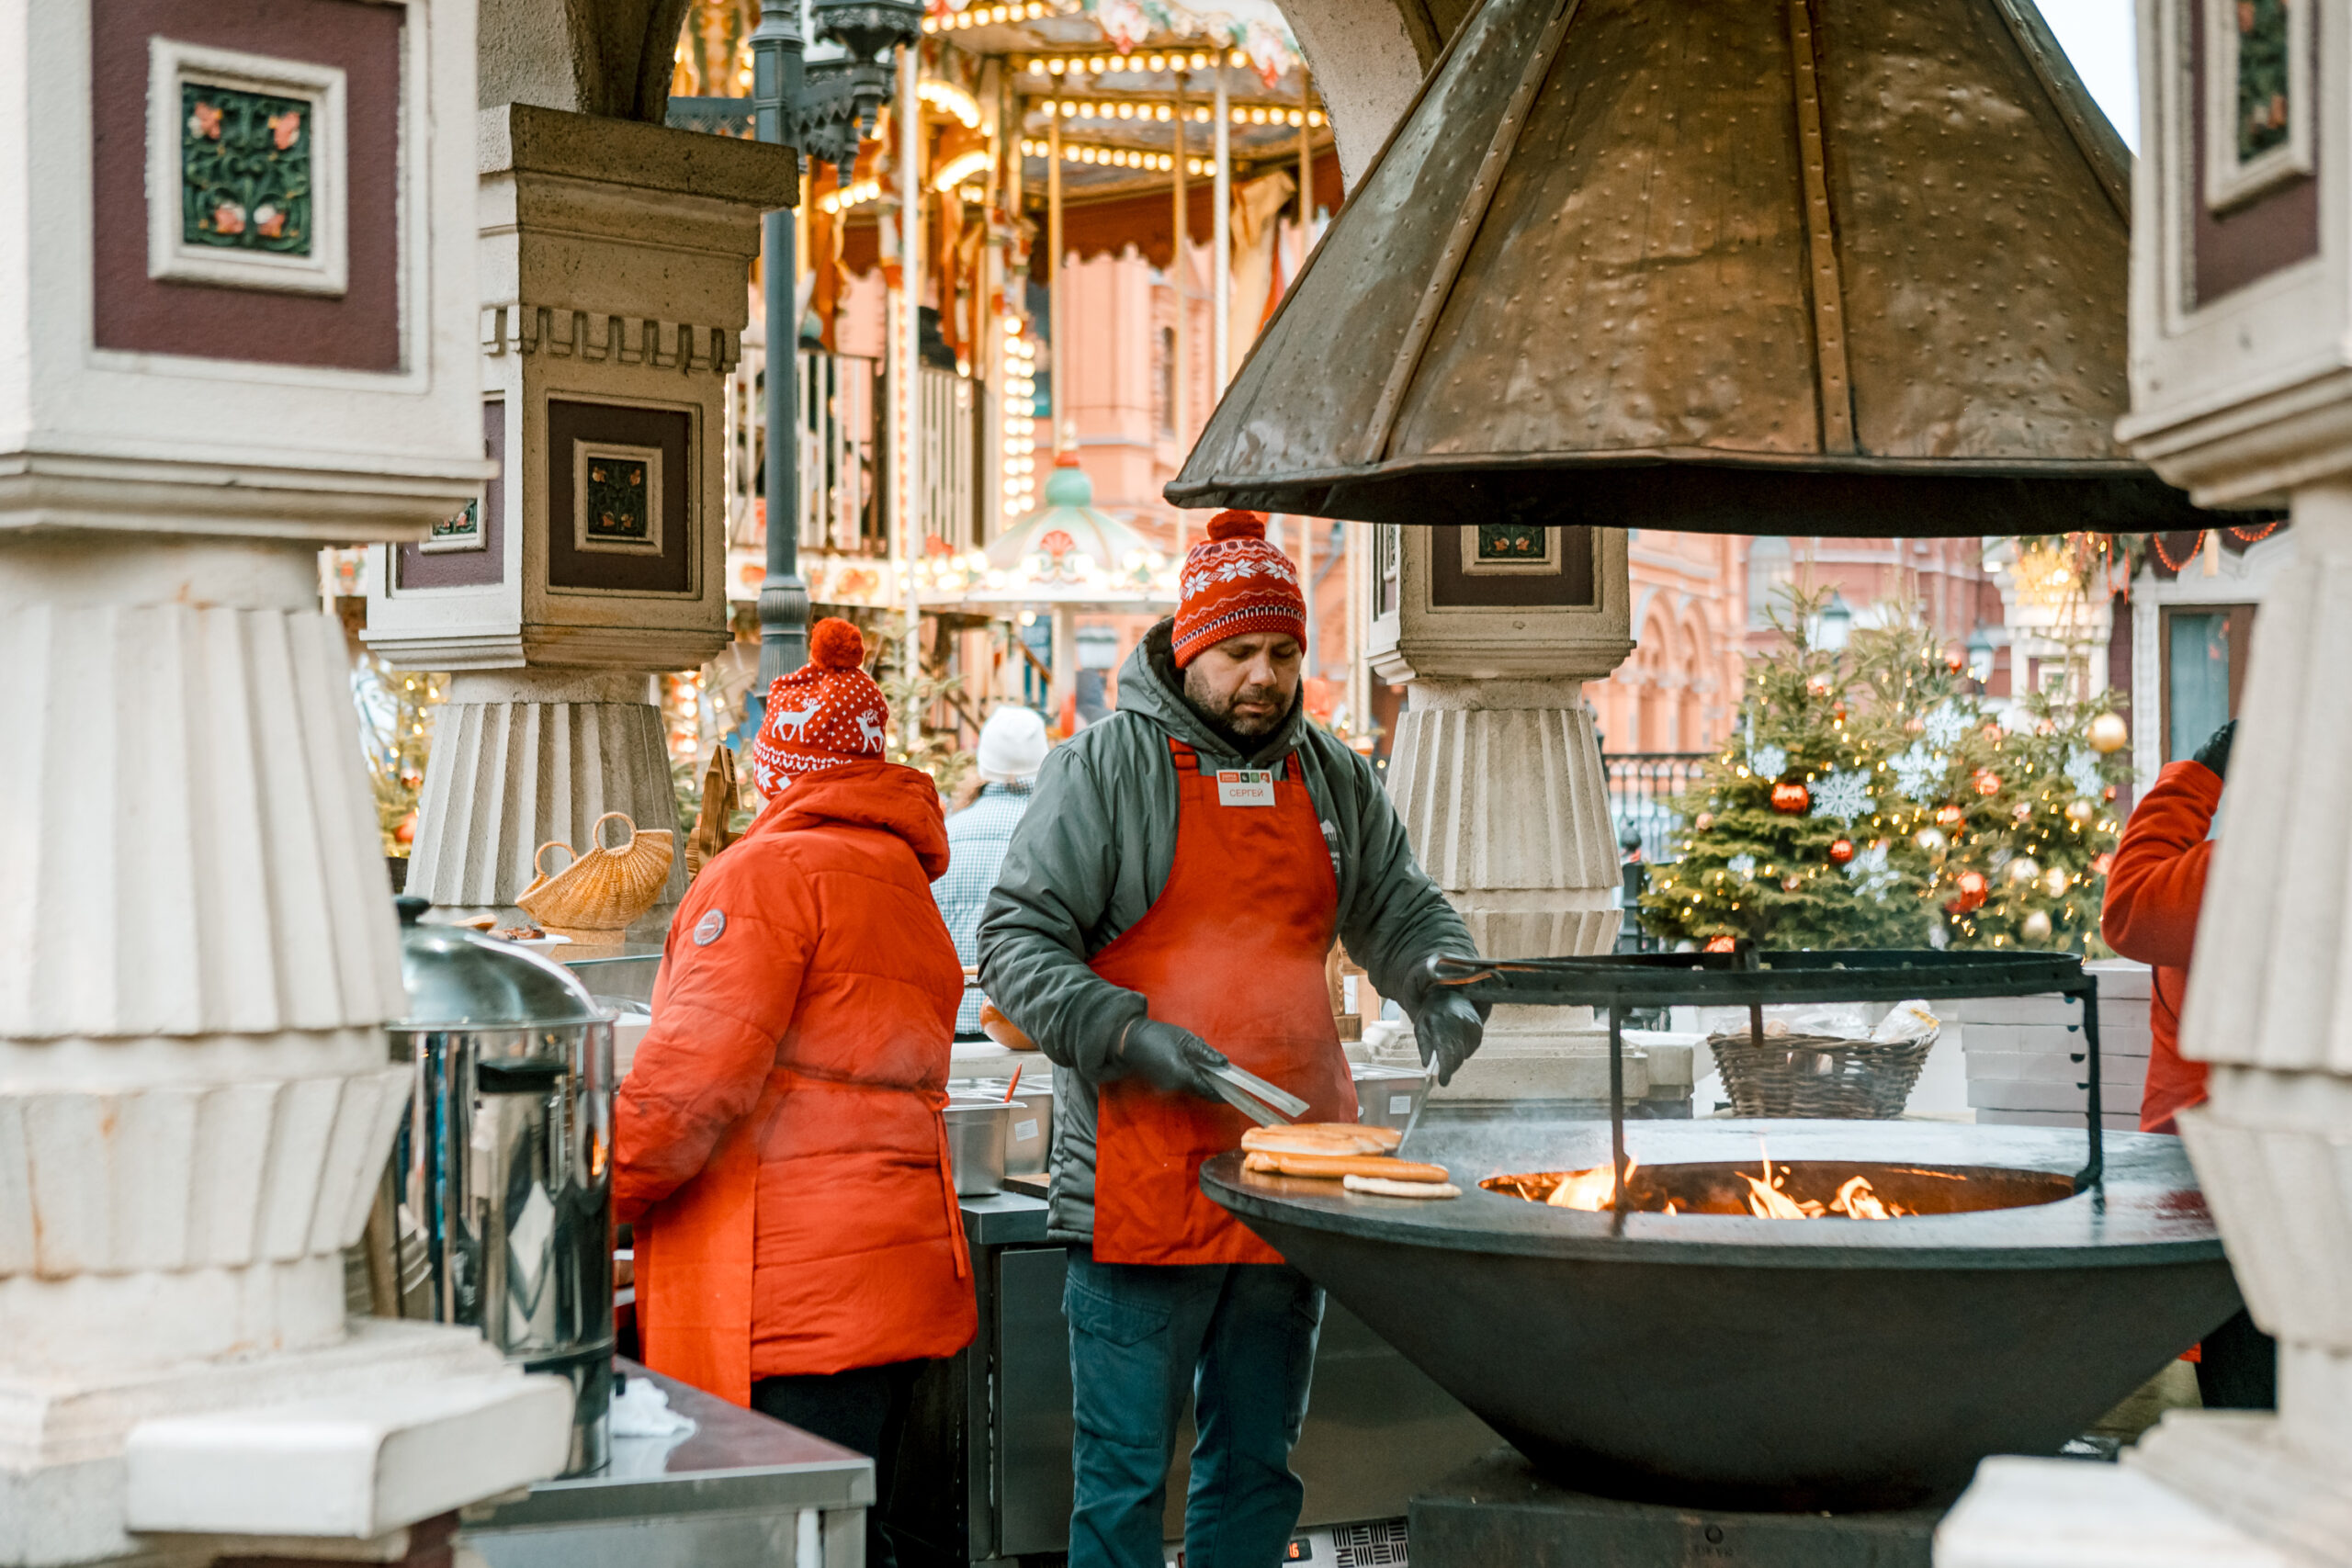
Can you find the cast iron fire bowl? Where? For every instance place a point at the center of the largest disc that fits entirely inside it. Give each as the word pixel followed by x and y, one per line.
pixel 1748 1363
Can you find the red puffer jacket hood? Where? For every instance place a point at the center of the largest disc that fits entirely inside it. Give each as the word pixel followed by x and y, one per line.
pixel 868 794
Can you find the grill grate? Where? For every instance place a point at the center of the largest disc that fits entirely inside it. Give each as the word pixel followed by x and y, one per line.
pixel 1377 1545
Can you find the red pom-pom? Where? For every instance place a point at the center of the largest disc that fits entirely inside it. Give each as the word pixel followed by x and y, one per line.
pixel 1237 526
pixel 834 644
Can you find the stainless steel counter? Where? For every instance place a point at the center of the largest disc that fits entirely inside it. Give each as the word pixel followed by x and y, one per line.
pixel 740 1488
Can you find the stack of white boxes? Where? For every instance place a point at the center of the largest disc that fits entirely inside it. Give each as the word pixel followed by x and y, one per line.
pixel 2026 1060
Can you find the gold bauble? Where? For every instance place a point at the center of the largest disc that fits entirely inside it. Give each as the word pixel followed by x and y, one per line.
pixel 2109 733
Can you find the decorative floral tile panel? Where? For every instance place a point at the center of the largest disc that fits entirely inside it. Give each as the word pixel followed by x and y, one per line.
pixel 246 168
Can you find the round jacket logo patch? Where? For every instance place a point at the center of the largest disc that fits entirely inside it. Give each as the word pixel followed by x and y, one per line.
pixel 708 929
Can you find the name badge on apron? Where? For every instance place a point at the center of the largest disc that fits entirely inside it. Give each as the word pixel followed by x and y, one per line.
pixel 1245 786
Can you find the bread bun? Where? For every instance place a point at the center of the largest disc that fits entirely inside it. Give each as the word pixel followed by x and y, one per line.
pixel 1381 1187
pixel 1322 1138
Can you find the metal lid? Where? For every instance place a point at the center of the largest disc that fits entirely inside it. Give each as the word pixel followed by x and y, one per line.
pixel 1831 267
pixel 459 977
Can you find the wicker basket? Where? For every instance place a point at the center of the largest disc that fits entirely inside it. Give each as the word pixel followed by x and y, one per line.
pixel 1819 1074
pixel 594 899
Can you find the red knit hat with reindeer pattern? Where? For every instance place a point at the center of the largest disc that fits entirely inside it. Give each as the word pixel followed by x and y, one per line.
pixel 1236 584
pixel 824 714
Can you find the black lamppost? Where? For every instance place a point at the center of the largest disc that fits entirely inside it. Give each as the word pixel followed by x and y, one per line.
pixel 822 110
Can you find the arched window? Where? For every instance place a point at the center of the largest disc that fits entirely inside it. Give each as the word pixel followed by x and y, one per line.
pixel 1768 574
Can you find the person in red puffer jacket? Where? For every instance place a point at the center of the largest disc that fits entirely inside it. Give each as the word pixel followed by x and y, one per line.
pixel 2153 891
pixel 778 1141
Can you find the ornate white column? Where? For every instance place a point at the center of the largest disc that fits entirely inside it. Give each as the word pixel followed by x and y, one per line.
pixel 2242 391
pixel 1496 772
pixel 214 372
pixel 613 256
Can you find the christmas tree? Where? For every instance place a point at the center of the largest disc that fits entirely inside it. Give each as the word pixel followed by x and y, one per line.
pixel 1868 799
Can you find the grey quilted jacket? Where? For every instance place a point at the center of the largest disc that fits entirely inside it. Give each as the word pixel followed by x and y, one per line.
pixel 1096 849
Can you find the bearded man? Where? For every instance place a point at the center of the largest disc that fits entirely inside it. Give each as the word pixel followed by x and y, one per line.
pixel 1168 904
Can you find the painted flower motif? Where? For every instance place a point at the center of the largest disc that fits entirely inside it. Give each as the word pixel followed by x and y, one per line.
pixel 285 128
pixel 227 219
pixel 205 121
pixel 268 221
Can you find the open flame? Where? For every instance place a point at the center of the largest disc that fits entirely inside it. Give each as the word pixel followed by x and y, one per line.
pixel 1855 1200
pixel 1591 1190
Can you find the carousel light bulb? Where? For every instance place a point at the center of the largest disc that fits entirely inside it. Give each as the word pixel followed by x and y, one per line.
pixel 1056 67
pixel 1237 57
pixel 1157 62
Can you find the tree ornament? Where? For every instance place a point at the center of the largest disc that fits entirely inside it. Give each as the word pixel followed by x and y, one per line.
pixel 1841 851
pixel 1791 882
pixel 2022 811
pixel 1844 795
pixel 2022 870
pixel 1972 888
pixel 1788 797
pixel 1817 685
pixel 2055 881
pixel 1987 782
pixel 1704 821
pixel 2102 864
pixel 2109 733
pixel 1952 661
pixel 1720 944
pixel 1949 815
pixel 2081 813
pixel 1931 840
pixel 2036 926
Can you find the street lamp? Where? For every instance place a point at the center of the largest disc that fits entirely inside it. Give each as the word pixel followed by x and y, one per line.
pixel 823 110
pixel 1837 622
pixel 1980 656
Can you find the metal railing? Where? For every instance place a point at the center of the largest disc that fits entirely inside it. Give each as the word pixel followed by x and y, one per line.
pixel 1642 786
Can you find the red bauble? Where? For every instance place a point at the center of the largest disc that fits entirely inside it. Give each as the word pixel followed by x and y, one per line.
pixel 1972 888
pixel 406 832
pixel 1720 944
pixel 1841 851
pixel 1705 820
pixel 1947 815
pixel 1987 782
pixel 2103 863
pixel 1790 797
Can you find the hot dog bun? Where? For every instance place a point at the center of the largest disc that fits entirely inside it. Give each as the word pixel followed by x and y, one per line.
pixel 1322 1138
pixel 1381 1187
pixel 1333 1166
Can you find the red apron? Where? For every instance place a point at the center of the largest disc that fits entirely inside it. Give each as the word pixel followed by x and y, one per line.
pixel 1233 950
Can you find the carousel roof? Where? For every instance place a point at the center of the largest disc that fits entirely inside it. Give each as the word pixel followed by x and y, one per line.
pixel 1832 266
pixel 1067 552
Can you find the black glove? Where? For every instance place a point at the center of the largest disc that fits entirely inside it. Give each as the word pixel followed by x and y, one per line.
pixel 1446 1029
pixel 1166 1057
pixel 2215 752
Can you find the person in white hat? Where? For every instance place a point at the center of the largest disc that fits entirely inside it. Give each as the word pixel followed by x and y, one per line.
pixel 1012 747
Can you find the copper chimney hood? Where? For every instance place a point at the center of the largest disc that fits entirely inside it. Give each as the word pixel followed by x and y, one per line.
pixel 1760 266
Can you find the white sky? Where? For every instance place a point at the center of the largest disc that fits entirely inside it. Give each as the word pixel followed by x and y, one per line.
pixel 2097 37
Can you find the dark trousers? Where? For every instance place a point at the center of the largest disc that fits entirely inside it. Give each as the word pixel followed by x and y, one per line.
pixel 1240 1339
pixel 863 1410
pixel 2237 1367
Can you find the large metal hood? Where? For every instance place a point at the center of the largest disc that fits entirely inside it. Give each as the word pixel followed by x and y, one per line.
pixel 1767 266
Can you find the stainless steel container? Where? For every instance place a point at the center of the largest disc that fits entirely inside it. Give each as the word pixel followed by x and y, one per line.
pixel 1389 1096
pixel 975 1142
pixel 506 1160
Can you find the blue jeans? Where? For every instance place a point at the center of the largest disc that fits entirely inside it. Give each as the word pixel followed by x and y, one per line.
pixel 1240 1338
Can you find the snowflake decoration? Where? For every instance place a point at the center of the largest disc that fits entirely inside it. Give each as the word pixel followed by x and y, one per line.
pixel 1869 869
pixel 1919 771
pixel 1769 760
pixel 2081 771
pixel 1843 796
pixel 1945 727
pixel 1741 866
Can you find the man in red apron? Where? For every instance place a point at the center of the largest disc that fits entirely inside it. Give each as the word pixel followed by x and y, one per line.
pixel 1168 905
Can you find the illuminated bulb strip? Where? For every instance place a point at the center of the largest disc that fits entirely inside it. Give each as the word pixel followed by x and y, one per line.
pixel 959 168
pixel 856 195
pixel 1109 157
pixel 949 98
pixel 985 16
pixel 1083 108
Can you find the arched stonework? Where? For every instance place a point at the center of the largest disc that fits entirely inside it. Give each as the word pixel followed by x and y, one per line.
pixel 606 57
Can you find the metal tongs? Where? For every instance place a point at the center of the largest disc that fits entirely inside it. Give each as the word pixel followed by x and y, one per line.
pixel 1250 1095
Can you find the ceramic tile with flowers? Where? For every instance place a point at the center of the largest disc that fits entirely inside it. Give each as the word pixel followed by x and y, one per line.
pixel 245 169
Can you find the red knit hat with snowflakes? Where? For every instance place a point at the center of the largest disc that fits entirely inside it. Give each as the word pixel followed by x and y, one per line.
pixel 1234 583
pixel 824 714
